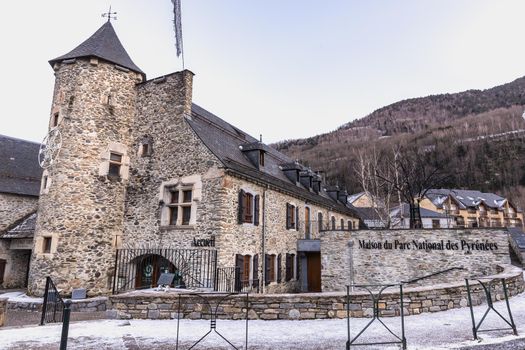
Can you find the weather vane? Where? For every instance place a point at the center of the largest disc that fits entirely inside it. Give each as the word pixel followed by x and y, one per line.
pixel 110 15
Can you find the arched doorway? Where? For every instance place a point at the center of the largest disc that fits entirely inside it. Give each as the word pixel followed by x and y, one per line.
pixel 149 268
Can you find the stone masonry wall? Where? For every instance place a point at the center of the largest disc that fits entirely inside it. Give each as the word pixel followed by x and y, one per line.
pixel 83 208
pixel 14 207
pixel 176 155
pixel 362 256
pixel 151 305
pixel 247 239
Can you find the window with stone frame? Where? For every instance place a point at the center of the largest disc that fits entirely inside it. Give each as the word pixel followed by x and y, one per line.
pixel 435 223
pixel 333 222
pixel 349 225
pixel 179 205
pixel 342 224
pixel 248 210
pixel 46 245
pixel 115 163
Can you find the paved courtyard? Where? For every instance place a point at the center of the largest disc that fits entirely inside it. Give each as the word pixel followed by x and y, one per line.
pixel 443 330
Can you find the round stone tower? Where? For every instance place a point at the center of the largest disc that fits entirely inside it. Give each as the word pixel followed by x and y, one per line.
pixel 81 206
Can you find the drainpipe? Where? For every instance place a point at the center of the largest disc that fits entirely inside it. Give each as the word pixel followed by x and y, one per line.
pixel 263 243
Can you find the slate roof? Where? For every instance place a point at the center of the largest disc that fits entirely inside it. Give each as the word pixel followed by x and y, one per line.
pixel 466 198
pixel 19 169
pixel 352 198
pixel 103 44
pixel 223 140
pixel 425 213
pixel 518 236
pixel 23 229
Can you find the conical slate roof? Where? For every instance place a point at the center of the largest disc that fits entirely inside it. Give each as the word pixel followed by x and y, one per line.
pixel 103 44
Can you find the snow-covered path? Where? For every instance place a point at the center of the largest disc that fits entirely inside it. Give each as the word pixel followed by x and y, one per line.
pixel 442 330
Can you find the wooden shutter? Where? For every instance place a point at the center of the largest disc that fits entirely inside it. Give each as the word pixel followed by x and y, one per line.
pixel 266 269
pixel 279 269
pixel 255 270
pixel 288 216
pixel 297 218
pixel 288 268
pixel 240 214
pixel 256 210
pixel 239 262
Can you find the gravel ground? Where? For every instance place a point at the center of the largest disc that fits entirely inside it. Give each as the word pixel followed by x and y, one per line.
pixel 442 330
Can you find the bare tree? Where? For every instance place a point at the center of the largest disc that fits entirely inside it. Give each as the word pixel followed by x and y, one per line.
pixel 412 172
pixel 379 190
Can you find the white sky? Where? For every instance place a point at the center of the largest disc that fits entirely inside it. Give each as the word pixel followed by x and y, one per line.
pixel 284 69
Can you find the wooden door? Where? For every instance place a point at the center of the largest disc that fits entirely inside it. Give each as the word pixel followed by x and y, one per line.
pixel 2 271
pixel 314 271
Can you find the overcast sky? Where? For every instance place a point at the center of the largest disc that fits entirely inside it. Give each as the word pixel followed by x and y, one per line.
pixel 282 68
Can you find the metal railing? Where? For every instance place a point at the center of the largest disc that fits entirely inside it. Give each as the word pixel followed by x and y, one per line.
pixel 231 280
pixel 488 284
pixel 141 268
pixel 53 306
pixel 376 291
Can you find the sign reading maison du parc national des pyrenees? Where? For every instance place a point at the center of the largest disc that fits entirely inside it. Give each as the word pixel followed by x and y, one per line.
pixel 429 245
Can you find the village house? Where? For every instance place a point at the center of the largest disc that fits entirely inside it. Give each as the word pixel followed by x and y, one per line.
pixel 470 208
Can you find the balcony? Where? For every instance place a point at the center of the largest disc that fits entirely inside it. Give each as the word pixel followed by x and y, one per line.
pixel 315 227
pixel 510 215
pixel 453 211
pixel 483 213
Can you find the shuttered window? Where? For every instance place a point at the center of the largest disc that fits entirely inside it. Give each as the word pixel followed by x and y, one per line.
pixel 255 272
pixel 290 267
pixel 290 216
pixel 279 268
pixel 269 269
pixel 248 208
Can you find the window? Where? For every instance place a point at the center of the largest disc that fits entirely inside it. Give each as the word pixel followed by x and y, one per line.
pixel 145 150
pixel 290 267
pixel 179 206
pixel 342 224
pixel 307 229
pixel 55 120
pixel 243 268
pixel 435 224
pixel 115 162
pixel 349 225
pixel 248 208
pixel 44 181
pixel 261 158
pixel 290 216
pixel 270 269
pixel 320 221
pixel 333 222
pixel 46 245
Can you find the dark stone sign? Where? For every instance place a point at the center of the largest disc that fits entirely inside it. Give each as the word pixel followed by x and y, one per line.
pixel 429 245
pixel 166 279
pixel 203 242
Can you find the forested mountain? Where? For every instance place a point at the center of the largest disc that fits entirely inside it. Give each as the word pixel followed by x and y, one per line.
pixel 478 134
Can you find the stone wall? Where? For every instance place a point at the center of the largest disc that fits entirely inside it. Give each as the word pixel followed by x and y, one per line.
pixel 176 156
pixel 362 257
pixel 3 311
pixel 14 207
pixel 82 208
pixel 154 305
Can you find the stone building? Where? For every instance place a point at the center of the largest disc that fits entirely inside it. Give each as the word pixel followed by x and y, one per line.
pixel 141 167
pixel 19 188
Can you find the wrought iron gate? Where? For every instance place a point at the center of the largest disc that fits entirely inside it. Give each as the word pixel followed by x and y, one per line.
pixel 53 306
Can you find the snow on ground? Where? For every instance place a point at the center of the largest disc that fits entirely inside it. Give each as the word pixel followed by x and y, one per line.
pixel 442 330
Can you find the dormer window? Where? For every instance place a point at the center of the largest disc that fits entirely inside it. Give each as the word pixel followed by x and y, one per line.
pixel 261 158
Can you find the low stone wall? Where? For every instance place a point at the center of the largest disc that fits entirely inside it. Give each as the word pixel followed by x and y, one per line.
pixel 164 305
pixel 84 305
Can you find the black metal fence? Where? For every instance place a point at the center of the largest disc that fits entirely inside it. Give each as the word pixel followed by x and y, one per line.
pixel 232 280
pixel 210 307
pixel 489 286
pixel 141 268
pixel 375 291
pixel 53 306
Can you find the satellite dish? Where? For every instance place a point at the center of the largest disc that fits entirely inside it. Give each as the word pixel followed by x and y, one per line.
pixel 49 148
